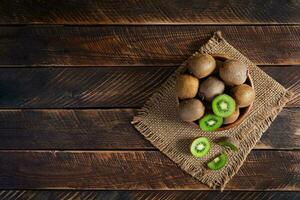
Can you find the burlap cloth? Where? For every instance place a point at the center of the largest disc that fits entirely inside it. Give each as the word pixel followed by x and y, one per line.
pixel 159 123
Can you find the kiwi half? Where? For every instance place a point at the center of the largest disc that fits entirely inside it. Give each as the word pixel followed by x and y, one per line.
pixel 200 147
pixel 230 143
pixel 218 162
pixel 210 122
pixel 223 105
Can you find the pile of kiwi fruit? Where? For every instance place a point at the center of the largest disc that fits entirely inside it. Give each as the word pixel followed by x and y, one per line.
pixel 213 93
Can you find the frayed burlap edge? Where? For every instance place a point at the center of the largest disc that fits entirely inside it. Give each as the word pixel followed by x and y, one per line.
pixel 262 121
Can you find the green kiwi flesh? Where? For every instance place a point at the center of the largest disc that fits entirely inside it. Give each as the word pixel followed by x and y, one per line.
pixel 218 162
pixel 210 122
pixel 223 105
pixel 230 143
pixel 200 147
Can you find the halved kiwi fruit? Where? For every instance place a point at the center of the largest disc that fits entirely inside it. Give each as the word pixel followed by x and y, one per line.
pixel 223 105
pixel 218 162
pixel 210 122
pixel 229 142
pixel 200 147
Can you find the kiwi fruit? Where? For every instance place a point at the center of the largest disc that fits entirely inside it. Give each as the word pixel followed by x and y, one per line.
pixel 186 86
pixel 223 105
pixel 210 88
pixel 218 162
pixel 210 122
pixel 232 118
pixel 233 72
pixel 230 142
pixel 201 65
pixel 191 109
pixel 243 94
pixel 200 147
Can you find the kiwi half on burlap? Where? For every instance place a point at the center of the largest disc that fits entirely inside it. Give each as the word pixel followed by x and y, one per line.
pixel 218 162
pixel 200 147
pixel 230 143
pixel 223 105
pixel 210 122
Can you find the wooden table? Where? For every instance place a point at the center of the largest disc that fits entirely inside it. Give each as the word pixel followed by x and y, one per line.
pixel 73 73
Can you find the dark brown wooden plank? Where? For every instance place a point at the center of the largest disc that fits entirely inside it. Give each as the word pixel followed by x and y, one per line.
pixel 284 132
pixel 289 81
pixel 79 87
pixel 100 87
pixel 142 195
pixel 263 170
pixel 110 129
pixel 70 129
pixel 149 12
pixel 140 45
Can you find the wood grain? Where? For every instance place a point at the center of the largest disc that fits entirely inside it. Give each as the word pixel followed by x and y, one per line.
pixel 149 12
pixel 263 170
pixel 69 129
pixel 105 87
pixel 142 195
pixel 140 45
pixel 110 129
pixel 79 87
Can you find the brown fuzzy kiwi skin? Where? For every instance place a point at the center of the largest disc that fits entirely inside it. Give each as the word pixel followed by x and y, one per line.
pixel 233 72
pixel 190 110
pixel 186 86
pixel 201 65
pixel 243 94
pixel 210 88
pixel 232 118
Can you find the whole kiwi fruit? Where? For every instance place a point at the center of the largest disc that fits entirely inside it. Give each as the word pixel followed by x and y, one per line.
pixel 191 109
pixel 233 72
pixel 232 118
pixel 186 86
pixel 201 65
pixel 210 88
pixel 243 94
